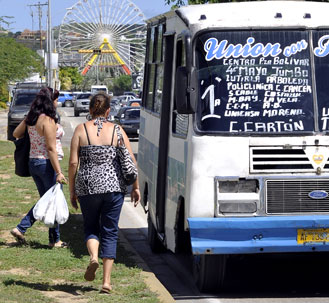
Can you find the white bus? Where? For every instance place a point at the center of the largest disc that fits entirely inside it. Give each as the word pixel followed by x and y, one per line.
pixel 233 144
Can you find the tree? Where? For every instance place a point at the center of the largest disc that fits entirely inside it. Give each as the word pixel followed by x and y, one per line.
pixel 17 62
pixel 121 84
pixel 70 76
pixel 178 3
pixel 3 19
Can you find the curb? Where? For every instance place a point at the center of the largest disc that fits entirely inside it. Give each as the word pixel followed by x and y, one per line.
pixel 149 277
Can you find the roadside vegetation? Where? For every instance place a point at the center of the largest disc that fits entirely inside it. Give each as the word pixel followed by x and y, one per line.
pixel 17 62
pixel 33 270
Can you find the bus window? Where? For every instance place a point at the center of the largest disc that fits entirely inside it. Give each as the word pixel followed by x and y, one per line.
pixel 159 71
pixel 150 66
pixel 155 69
pixel 179 121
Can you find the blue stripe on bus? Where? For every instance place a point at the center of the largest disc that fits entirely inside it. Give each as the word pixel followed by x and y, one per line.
pixel 253 235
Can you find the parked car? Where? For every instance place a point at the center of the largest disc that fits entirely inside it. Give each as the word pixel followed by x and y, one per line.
pixel 65 99
pixel 75 95
pixel 124 99
pixel 129 119
pixel 115 105
pixel 130 94
pixel 134 102
pixel 81 105
pixel 19 107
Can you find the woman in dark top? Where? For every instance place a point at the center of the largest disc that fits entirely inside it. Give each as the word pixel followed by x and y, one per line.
pixel 99 185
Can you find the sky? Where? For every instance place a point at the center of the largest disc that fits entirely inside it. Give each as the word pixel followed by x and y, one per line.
pixel 22 19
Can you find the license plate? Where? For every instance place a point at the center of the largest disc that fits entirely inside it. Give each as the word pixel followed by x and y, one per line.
pixel 312 235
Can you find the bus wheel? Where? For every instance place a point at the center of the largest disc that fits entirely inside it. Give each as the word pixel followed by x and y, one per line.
pixel 153 239
pixel 209 272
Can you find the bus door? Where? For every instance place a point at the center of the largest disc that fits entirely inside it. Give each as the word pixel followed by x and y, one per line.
pixel 168 55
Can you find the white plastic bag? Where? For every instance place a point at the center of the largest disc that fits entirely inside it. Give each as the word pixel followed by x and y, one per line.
pixel 62 210
pixel 52 207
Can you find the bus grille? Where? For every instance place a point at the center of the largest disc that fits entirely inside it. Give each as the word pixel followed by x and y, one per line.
pixel 292 196
pixel 280 160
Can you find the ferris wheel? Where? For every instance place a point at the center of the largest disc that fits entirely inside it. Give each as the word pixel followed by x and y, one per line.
pixel 106 34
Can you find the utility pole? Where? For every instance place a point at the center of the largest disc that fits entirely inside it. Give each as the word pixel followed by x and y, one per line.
pixel 39 5
pixel 50 76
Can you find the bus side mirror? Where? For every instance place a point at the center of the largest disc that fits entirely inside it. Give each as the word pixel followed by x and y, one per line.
pixel 185 95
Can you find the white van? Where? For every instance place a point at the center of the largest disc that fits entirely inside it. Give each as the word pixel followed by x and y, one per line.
pixel 99 88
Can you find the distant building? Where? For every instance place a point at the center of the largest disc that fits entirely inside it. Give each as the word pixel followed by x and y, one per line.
pixel 32 35
pixel 31 39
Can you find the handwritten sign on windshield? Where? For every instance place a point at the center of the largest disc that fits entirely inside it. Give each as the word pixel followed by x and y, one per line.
pixel 260 83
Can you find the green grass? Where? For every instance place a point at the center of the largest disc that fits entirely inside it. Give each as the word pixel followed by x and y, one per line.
pixel 35 273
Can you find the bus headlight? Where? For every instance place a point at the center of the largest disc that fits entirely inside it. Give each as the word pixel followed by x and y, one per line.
pixel 236 196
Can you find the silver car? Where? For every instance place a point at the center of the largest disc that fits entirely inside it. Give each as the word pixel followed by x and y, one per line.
pixel 81 105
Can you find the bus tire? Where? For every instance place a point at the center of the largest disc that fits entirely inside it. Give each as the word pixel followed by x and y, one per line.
pixel 209 272
pixel 152 236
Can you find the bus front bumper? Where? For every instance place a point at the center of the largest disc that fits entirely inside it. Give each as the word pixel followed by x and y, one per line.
pixel 259 234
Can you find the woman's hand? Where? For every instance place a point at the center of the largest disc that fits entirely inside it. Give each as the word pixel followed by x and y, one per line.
pixel 135 196
pixel 19 131
pixel 73 198
pixel 60 178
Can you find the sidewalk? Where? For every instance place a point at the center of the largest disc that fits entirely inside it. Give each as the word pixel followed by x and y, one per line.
pixel 131 219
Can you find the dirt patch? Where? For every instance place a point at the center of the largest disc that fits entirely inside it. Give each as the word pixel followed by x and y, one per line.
pixel 6 235
pixel 63 296
pixel 15 271
pixel 5 176
pixel 6 157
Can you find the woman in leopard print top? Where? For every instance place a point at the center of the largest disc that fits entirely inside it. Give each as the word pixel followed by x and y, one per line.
pixel 98 184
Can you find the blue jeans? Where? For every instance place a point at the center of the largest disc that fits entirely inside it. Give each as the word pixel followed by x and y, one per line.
pixel 101 214
pixel 44 177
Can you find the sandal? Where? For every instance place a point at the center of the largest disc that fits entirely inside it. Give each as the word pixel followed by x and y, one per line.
pixel 90 273
pixel 17 235
pixel 59 244
pixel 106 290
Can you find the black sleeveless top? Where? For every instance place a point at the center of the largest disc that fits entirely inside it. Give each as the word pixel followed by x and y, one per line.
pixel 99 170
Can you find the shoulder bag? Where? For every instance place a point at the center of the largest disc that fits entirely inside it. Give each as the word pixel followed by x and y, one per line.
pixel 21 155
pixel 128 167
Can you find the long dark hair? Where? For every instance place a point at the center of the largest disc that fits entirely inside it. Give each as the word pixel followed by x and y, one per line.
pixel 42 104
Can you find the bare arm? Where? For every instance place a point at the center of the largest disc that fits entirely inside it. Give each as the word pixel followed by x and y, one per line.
pixel 20 130
pixel 135 193
pixel 49 132
pixel 73 165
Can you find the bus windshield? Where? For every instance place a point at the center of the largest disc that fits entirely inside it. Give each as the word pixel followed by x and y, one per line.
pixel 261 81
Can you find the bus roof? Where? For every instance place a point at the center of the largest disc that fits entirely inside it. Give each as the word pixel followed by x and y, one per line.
pixel 266 14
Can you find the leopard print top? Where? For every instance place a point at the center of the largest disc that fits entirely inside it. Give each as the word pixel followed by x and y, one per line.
pixel 99 170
